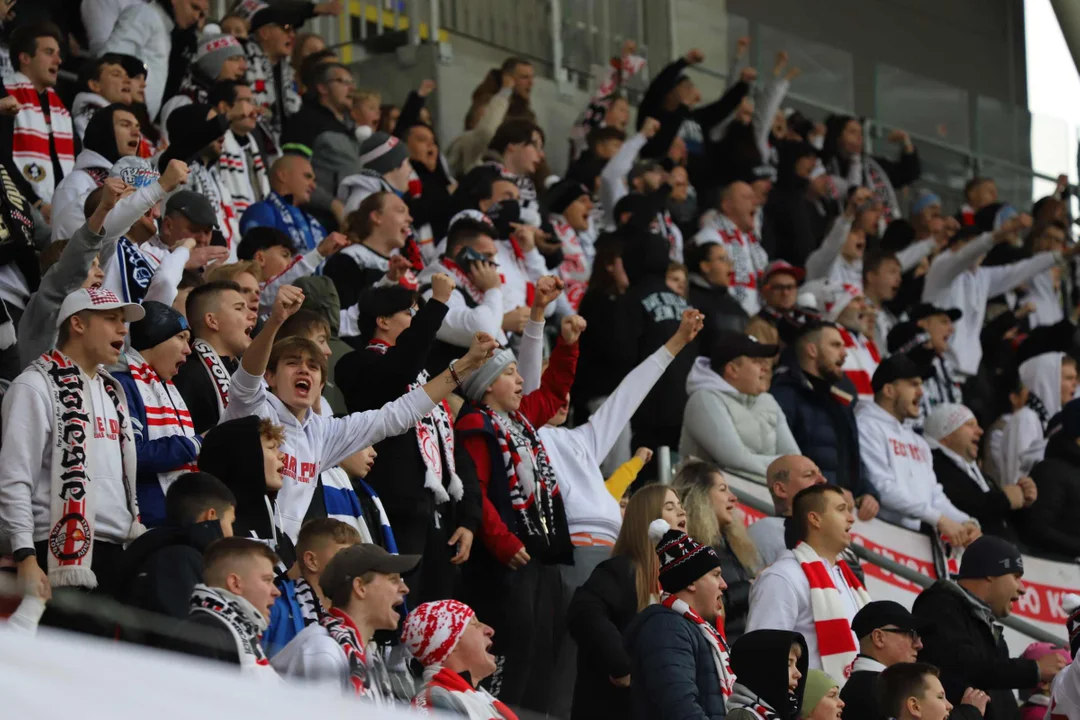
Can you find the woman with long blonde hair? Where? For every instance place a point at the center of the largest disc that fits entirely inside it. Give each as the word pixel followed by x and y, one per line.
pixel 616 591
pixel 713 519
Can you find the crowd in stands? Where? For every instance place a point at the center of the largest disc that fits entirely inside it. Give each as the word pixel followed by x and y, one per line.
pixel 349 404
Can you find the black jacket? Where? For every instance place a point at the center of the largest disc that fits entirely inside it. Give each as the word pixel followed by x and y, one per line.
pixel 1049 525
pixel 199 392
pixel 369 380
pixel 737 595
pixel 161 568
pixel 822 420
pixel 970 651
pixel 796 222
pixel 722 311
pixel 673 675
pixel 759 660
pixel 991 509
pixel 599 613
pixel 203 635
pixel 860 696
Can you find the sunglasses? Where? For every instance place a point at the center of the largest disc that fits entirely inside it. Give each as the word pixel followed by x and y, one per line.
pixel 912 634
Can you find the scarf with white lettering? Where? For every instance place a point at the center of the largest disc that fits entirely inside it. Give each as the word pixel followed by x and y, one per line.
pixel 207 182
pixel 166 414
pixel 713 636
pixel 368 681
pixel 239 166
pixel 219 374
pixel 244 622
pixel 836 643
pixel 435 439
pixel 33 135
pixel 73 499
pixel 260 76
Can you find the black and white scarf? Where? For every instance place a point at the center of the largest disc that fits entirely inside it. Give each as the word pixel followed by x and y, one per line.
pixel 311 609
pixel 240 169
pixel 865 171
pixel 219 374
pixel 207 182
pixel 368 678
pixel 435 438
pixel 260 75
pixel 242 619
pixel 73 499
pixel 16 247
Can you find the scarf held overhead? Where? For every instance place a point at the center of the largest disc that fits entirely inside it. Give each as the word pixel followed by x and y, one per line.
pixel 72 504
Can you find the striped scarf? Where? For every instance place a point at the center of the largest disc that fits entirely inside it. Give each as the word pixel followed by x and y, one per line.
pixel 311 608
pixel 370 682
pixel 861 361
pixel 207 182
pixel 166 414
pixel 748 259
pixel 260 76
pixel 343 504
pixel 836 642
pixel 244 622
pixel 239 166
pixel 36 137
pixel 715 638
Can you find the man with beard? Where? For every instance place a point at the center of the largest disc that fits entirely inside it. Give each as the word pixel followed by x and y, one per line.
pixel 898 460
pixel 816 397
pixel 242 165
pixel 845 305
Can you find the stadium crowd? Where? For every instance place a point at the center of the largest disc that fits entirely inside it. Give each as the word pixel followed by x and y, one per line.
pixel 348 404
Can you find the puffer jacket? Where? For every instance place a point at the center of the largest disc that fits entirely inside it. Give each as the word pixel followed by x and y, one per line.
pixel 822 421
pixel 673 674
pixel 741 433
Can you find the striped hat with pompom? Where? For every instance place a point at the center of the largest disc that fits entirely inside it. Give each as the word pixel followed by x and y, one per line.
pixel 683 560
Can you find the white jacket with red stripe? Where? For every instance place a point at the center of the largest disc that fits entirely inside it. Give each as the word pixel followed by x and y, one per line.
pixel 862 360
pixel 899 465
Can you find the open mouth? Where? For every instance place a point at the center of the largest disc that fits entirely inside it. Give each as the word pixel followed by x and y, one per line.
pixel 133 144
pixel 118 345
pixel 249 329
pixel 303 387
pixel 681 524
pixel 177 368
pixel 280 468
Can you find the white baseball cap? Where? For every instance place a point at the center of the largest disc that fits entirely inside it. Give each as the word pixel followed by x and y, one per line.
pixel 97 299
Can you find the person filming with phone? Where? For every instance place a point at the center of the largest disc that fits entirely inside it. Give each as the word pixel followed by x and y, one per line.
pixel 476 303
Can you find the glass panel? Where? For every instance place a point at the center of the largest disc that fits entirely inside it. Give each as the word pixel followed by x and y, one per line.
pixel 1014 185
pixel 738 27
pixel 922 106
pixel 1051 150
pixel 998 127
pixel 828 74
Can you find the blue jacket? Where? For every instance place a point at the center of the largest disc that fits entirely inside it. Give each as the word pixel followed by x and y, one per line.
pixel 822 420
pixel 286 619
pixel 306 231
pixel 673 675
pixel 154 456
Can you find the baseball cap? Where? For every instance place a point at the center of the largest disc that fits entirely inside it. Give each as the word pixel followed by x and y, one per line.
pixel 898 367
pixel 729 345
pixel 880 613
pixel 990 556
pixel 97 299
pixel 925 310
pixel 783 266
pixel 193 206
pixel 353 562
pixel 275 15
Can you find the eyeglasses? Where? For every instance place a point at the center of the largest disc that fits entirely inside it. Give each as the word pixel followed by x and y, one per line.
pixel 783 288
pixel 912 634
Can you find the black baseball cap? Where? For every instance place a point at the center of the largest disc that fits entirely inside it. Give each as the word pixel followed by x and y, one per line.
pixel 194 207
pixel 899 367
pixel 925 310
pixel 880 613
pixel 353 562
pixel 729 345
pixel 274 14
pixel 990 556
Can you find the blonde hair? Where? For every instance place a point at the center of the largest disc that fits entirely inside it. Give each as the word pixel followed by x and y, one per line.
pixel 269 431
pixel 362 96
pixel 230 271
pixel 762 330
pixel 634 543
pixel 693 482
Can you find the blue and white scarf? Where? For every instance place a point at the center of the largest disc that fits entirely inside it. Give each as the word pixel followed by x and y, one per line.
pixel 135 271
pixel 343 504
pixel 305 237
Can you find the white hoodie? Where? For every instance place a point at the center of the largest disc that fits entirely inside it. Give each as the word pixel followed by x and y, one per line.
pixel 71 194
pixel 1023 443
pixel 463 322
pixel 739 432
pixel 576 453
pixel 899 465
pixel 83 108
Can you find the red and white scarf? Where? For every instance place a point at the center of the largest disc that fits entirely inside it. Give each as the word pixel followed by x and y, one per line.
pixel 219 374
pixel 73 499
pixel 531 478
pixel 166 413
pixel 863 358
pixel 435 437
pixel 369 682
pixel 462 279
pixel 836 642
pixel 713 636
pixel 574 269
pixel 33 133
pixel 477 703
pixel 748 258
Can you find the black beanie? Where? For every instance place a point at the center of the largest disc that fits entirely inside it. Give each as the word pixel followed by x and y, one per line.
pixel 100 136
pixel 563 194
pixel 160 323
pixel 683 560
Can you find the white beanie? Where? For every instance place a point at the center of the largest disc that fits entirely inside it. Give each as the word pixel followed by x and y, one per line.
pixel 945 419
pixel 831 296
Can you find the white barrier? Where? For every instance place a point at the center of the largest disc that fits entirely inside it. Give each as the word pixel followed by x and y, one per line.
pixel 1046 581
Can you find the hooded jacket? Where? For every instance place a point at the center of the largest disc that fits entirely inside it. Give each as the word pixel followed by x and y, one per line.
pixel 739 432
pixel 760 660
pixel 1023 441
pixel 648 316
pixel 902 469
pixel 674 675
pixel 85 105
pixel 1049 525
pixel 968 646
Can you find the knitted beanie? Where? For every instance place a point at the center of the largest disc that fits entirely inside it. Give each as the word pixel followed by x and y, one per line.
pixel 160 323
pixel 683 560
pixel 432 631
pixel 213 51
pixel 818 685
pixel 477 384
pixel 832 297
pixel 383 153
pixel 945 419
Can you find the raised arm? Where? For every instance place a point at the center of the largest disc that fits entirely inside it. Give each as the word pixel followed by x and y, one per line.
pixel 531 350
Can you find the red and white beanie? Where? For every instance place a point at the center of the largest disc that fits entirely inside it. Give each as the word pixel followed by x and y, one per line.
pixel 432 631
